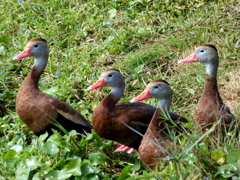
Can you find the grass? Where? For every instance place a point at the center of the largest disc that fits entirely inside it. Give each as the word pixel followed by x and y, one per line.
pixel 143 39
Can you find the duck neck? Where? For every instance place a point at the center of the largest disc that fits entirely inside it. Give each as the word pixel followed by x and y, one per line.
pixel 117 92
pixel 211 88
pixel 111 100
pixel 157 122
pixel 38 68
pixel 164 104
pixel 211 69
pixel 41 62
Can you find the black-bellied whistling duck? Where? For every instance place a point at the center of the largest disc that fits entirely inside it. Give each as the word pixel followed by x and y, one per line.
pixel 210 107
pixel 158 129
pixel 109 118
pixel 38 110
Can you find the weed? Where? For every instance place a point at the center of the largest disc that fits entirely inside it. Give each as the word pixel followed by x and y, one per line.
pixel 144 39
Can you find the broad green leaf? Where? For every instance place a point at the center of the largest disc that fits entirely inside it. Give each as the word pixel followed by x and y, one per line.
pixel 51 148
pixel 106 144
pixel 51 91
pixel 97 158
pixel 22 172
pixel 37 176
pixel 90 177
pixel 73 132
pixel 234 158
pixel 55 138
pixel 1 48
pixel 190 158
pixel 112 13
pixel 87 168
pixel 90 137
pixel 74 167
pixel 10 157
pixel 32 162
pixel 10 154
pixel 63 174
pixel 57 175
pixel 18 148
pixel 137 165
pixel 225 170
pixel 42 137
pixel 51 175
pixel 29 149
pixel 124 173
pixel 218 156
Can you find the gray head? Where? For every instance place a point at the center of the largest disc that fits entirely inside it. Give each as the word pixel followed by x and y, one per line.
pixel 160 90
pixel 111 77
pixel 37 48
pixel 206 54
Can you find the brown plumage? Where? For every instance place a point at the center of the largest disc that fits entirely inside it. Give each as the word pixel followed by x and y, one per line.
pixel 159 127
pixel 210 107
pixel 109 118
pixel 149 153
pixel 38 110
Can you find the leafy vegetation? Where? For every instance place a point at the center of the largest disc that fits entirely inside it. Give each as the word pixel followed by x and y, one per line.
pixel 143 39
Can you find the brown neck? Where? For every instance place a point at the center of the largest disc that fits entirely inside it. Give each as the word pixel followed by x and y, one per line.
pixel 109 101
pixel 157 121
pixel 211 89
pixel 33 78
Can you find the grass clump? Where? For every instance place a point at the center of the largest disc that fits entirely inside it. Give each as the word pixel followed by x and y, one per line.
pixel 144 40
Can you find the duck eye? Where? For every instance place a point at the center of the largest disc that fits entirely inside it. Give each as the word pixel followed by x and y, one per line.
pixel 110 75
pixel 202 50
pixel 36 45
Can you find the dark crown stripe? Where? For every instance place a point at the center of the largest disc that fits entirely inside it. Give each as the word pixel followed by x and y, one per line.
pixel 159 80
pixel 112 70
pixel 210 45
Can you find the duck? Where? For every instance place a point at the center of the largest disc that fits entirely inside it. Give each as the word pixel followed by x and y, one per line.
pixel 37 110
pixel 111 120
pixel 161 127
pixel 210 107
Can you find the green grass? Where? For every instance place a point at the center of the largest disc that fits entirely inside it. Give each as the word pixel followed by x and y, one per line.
pixel 143 39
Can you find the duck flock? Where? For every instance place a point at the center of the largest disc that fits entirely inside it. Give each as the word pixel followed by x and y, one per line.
pixel 124 122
